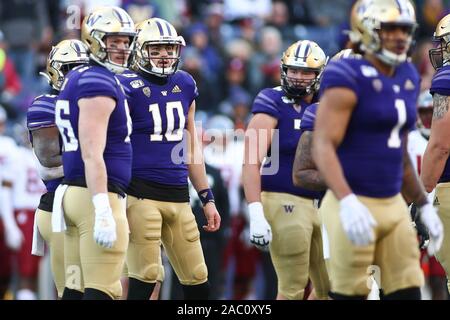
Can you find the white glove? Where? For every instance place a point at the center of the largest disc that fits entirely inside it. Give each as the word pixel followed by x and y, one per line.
pixel 430 219
pixel 357 221
pixel 13 235
pixel 105 225
pixel 260 231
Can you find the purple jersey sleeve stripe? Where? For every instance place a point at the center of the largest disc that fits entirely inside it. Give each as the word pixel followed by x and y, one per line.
pixel 309 114
pixel 94 82
pixel 441 77
pixel 40 109
pixel 40 124
pixel 271 106
pixel 266 98
pixel 41 103
pixel 341 73
pixel 97 75
pixel 347 68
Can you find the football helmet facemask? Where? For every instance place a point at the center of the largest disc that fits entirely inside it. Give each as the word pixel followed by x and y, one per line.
pixel 104 22
pixel 157 32
pixel 385 14
pixel 440 56
pixel 304 55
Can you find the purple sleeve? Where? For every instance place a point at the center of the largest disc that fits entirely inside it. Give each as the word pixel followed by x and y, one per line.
pixel 92 84
pixel 441 82
pixel 41 113
pixel 339 74
pixel 265 103
pixel 309 117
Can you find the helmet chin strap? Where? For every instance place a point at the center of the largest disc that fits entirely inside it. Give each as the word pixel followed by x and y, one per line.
pixel 391 58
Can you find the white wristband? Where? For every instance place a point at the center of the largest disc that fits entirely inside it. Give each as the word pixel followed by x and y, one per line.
pixel 100 201
pixel 255 210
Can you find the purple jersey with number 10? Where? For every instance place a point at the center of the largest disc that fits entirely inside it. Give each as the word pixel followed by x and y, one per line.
pixel 88 82
pixel 371 152
pixel 441 85
pixel 41 114
pixel 159 114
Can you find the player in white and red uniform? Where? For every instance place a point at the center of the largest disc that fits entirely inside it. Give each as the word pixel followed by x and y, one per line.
pixel 10 235
pixel 417 143
pixel 27 191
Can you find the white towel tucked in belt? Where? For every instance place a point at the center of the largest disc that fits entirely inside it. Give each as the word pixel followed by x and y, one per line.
pixel 38 245
pixel 58 222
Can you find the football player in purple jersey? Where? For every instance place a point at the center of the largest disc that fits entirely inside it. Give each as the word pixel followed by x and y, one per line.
pixel 436 164
pixel 47 145
pixel 165 153
pixel 367 107
pixel 283 218
pixel 93 119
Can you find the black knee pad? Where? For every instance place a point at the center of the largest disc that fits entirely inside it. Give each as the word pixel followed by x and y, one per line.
pixel 196 292
pixel 94 294
pixel 139 290
pixel 339 296
pixel 71 294
pixel 404 294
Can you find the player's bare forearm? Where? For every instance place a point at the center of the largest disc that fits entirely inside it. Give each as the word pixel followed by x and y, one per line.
pixel 96 175
pixel 251 180
pixel 197 175
pixel 47 147
pixel 305 173
pixel 438 148
pixel 412 188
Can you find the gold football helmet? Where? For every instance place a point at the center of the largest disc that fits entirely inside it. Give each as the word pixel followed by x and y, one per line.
pixel 157 31
pixel 356 16
pixel 62 58
pixel 346 53
pixel 386 13
pixel 107 21
pixel 440 56
pixel 305 55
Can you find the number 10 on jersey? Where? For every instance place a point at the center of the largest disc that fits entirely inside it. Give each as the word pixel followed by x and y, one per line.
pixel 171 133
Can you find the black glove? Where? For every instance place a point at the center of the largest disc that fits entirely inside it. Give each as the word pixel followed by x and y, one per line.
pixel 422 230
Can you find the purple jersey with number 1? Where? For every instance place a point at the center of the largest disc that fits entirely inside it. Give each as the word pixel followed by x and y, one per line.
pixel 371 152
pixel 159 114
pixel 88 82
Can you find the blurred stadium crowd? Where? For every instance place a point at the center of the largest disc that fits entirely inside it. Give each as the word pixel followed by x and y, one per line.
pixel 233 51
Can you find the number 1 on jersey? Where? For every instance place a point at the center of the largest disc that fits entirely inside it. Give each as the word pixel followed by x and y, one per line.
pixel 394 140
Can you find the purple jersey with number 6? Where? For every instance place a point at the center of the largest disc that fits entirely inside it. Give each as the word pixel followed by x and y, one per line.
pixel 88 82
pixel 371 152
pixel 159 114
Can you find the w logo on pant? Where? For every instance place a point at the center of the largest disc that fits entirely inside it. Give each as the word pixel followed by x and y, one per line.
pixel 288 208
